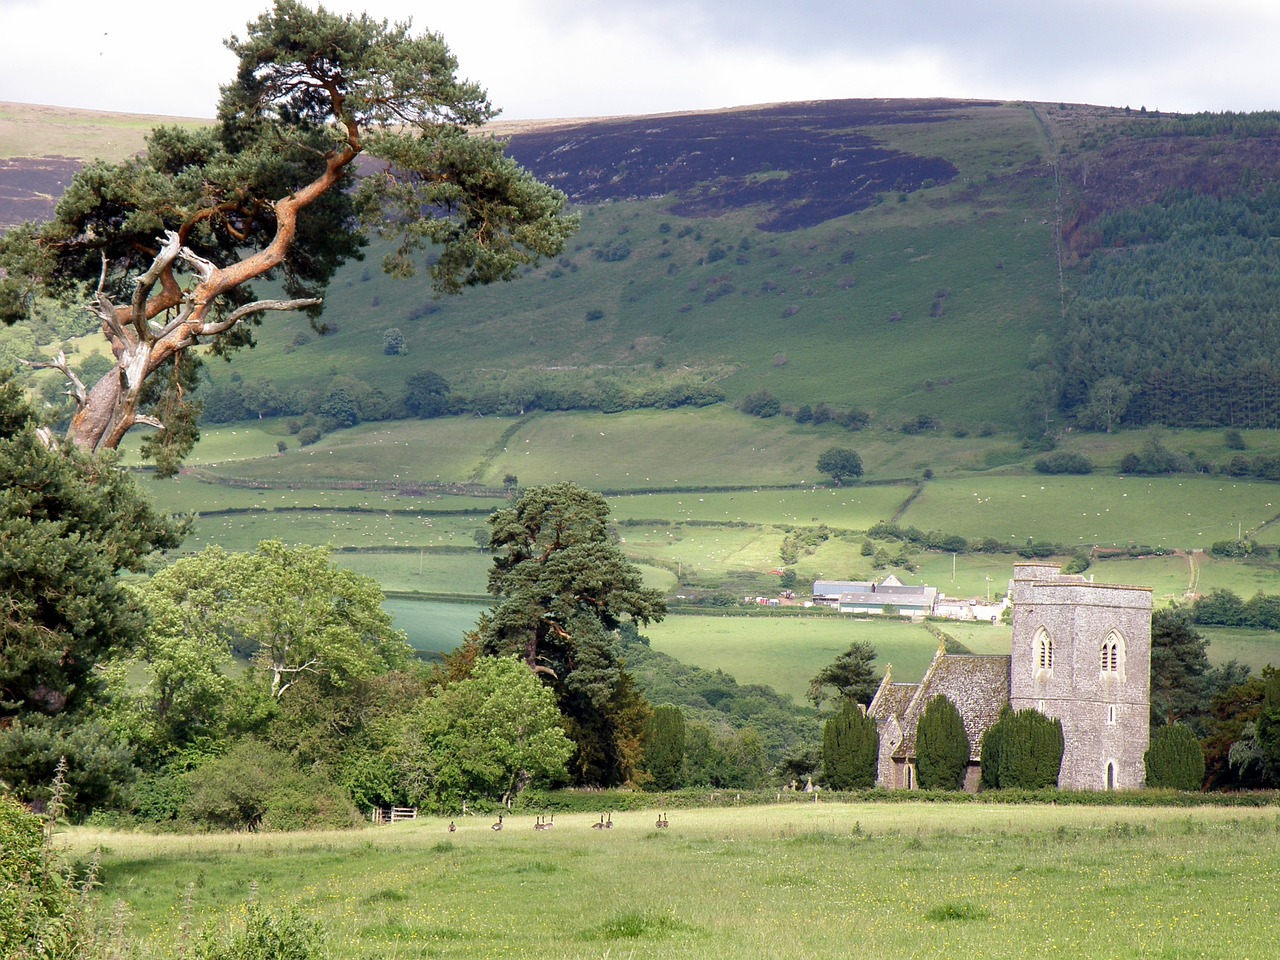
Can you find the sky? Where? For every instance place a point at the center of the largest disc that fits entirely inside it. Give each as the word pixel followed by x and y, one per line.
pixel 543 59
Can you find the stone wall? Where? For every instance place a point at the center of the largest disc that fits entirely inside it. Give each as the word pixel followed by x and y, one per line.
pixel 1104 713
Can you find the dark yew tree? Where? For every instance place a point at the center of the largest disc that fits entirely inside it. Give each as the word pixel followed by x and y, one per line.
pixel 1175 759
pixel 1179 664
pixel 563 588
pixel 1022 750
pixel 850 749
pixel 165 245
pixel 664 747
pixel 942 746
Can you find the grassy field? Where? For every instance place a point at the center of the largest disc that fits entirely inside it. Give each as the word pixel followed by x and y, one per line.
pixel 803 880
pixel 1172 512
pixel 785 652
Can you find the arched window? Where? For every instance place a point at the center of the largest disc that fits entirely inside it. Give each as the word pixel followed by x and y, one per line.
pixel 1042 652
pixel 1112 656
pixel 1111 776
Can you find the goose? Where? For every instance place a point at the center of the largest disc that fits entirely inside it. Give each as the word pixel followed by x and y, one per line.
pixel 600 825
pixel 453 827
pixel 498 825
pixel 608 824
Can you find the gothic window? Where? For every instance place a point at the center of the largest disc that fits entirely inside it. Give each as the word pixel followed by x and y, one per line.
pixel 1112 656
pixel 1042 652
pixel 1111 713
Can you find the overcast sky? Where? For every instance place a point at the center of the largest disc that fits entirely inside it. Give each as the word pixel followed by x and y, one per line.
pixel 581 58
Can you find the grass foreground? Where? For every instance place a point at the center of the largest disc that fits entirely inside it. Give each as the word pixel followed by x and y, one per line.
pixel 801 879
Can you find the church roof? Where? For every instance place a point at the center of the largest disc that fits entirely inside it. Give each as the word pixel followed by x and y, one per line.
pixel 977 685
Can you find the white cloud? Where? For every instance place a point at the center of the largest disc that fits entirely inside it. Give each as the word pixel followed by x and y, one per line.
pixel 547 58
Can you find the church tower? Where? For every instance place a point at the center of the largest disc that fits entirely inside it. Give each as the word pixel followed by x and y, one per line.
pixel 1082 653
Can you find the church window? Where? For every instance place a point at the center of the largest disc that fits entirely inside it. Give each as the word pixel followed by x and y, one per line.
pixel 1111 713
pixel 1112 656
pixel 1042 652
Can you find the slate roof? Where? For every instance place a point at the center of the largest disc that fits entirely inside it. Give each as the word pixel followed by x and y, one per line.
pixel 977 685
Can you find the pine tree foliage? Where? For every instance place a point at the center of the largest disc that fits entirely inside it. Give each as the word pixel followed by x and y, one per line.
pixel 165 245
pixel 69 523
pixel 942 746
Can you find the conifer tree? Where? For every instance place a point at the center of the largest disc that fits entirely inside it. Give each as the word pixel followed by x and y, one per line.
pixel 1175 759
pixel 850 749
pixel 942 746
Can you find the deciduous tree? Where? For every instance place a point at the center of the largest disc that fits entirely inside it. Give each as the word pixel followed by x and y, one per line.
pixel 166 244
pixel 485 737
pixel 840 464
pixel 289 608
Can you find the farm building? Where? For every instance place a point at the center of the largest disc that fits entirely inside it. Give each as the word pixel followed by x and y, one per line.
pixel 1081 652
pixel 890 596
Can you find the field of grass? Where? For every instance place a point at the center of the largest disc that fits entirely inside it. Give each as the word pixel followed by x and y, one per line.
pixel 806 880
pixel 786 652
pixel 1173 512
pixel 433 626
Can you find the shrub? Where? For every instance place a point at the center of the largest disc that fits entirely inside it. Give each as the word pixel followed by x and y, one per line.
pixel 1062 462
pixel 942 747
pixel 255 786
pixel 263 936
pixel 39 909
pixel 1175 759
pixel 761 404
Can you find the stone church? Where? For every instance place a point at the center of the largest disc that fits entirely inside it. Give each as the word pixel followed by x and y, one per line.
pixel 1081 652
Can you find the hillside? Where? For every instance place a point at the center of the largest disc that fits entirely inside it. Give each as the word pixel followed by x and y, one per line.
pixel 930 264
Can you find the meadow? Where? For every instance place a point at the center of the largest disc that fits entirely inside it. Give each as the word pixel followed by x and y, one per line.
pixel 786 652
pixel 802 879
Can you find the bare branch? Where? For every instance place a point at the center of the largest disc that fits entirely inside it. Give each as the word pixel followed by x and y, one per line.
pixel 203 267
pixel 146 282
pixel 149 421
pixel 59 362
pixel 212 329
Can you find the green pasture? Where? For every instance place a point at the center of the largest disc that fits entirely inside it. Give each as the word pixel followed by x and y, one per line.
pixel 243 531
pixel 433 626
pixel 855 507
pixel 188 493
pixel 785 652
pixel 423 572
pixel 1254 648
pixel 803 879
pixel 1172 512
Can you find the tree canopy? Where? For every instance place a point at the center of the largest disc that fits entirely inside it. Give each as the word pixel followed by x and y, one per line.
pixel 852 675
pixel 840 464
pixel 165 245
pixel 562 589
pixel 69 523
